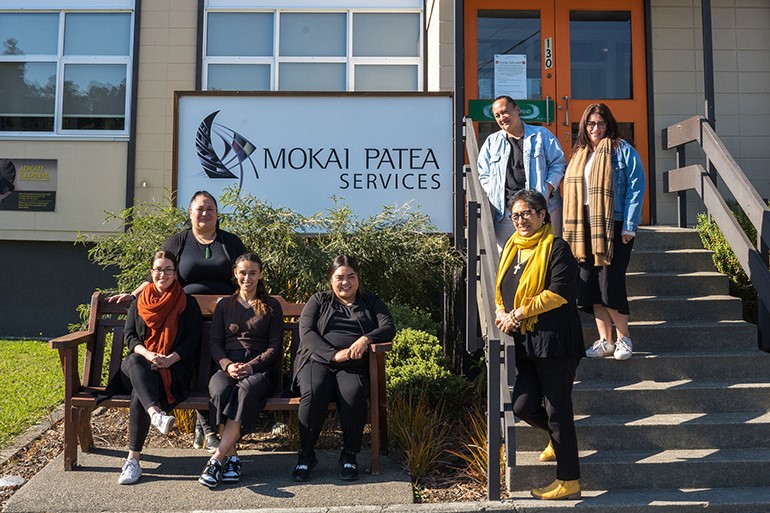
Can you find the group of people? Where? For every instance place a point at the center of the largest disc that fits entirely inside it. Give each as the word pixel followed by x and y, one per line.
pixel 163 332
pixel 543 279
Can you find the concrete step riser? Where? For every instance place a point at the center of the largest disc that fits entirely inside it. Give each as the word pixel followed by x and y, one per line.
pixel 678 239
pixel 661 338
pixel 645 284
pixel 664 369
pixel 650 438
pixel 672 262
pixel 696 473
pixel 590 401
pixel 681 309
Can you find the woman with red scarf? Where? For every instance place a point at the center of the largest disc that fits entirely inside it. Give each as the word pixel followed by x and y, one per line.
pixel 163 330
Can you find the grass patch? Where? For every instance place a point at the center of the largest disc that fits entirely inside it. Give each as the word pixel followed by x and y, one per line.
pixel 31 385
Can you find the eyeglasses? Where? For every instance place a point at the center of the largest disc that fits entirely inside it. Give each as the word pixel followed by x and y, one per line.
pixel 599 124
pixel 524 214
pixel 168 271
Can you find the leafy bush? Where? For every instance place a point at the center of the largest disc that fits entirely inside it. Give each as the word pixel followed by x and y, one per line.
pixel 416 364
pixel 410 317
pixel 725 260
pixel 401 259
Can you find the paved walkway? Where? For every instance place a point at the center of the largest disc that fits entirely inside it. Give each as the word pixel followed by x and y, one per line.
pixel 169 483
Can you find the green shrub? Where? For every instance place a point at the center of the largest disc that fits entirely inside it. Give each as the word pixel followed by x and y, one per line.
pixel 401 259
pixel 416 364
pixel 410 317
pixel 725 260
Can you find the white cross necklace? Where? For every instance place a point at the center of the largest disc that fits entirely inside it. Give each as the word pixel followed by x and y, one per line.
pixel 518 265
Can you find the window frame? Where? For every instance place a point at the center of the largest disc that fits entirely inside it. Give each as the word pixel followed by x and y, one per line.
pixel 61 61
pixel 350 61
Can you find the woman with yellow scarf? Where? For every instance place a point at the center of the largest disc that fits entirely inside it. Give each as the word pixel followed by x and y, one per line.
pixel 535 303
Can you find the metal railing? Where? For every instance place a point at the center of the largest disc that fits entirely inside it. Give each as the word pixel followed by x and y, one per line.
pixel 483 259
pixel 754 262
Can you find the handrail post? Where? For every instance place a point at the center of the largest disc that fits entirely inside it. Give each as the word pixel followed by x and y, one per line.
pixel 763 315
pixel 681 196
pixel 493 420
pixel 471 278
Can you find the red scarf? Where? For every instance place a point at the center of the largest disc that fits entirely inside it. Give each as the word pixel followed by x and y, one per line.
pixel 161 314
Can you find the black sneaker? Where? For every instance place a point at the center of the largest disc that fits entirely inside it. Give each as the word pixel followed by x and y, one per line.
pixel 212 474
pixel 231 473
pixel 348 466
pixel 304 465
pixel 198 441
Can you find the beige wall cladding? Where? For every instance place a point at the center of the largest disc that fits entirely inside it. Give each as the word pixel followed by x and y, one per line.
pixel 741 39
pixel 166 64
pixel 91 179
pixel 440 62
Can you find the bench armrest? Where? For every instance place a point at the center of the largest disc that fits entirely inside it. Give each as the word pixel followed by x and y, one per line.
pixel 71 340
pixel 381 347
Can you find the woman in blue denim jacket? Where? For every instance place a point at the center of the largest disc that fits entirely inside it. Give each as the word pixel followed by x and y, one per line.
pixel 603 195
pixel 540 167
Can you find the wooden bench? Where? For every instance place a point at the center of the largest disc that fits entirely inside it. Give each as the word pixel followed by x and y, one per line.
pixel 108 318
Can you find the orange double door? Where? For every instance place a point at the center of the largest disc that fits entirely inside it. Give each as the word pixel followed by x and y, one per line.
pixel 568 52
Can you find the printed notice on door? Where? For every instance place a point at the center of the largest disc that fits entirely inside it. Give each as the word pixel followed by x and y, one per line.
pixel 511 76
pixel 28 185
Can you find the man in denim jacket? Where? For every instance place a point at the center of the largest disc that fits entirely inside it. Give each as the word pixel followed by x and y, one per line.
pixel 519 156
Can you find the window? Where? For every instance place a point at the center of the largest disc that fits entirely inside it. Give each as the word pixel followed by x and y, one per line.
pixel 65 72
pixel 330 50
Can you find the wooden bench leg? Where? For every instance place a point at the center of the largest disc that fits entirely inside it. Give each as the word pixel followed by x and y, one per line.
pixel 71 415
pixel 84 430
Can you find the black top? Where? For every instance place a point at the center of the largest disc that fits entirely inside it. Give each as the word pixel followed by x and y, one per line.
pixel 201 275
pixel 186 345
pixel 515 179
pixel 235 327
pixel 323 313
pixel 557 333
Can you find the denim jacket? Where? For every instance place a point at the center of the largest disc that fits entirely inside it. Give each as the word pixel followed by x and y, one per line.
pixel 629 183
pixel 543 164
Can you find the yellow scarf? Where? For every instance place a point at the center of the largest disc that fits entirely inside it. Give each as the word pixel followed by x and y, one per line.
pixel 532 280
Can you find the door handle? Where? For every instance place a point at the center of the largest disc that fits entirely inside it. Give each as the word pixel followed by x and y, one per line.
pixel 566 110
pixel 547 110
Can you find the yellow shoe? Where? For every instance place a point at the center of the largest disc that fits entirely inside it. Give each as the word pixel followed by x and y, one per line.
pixel 558 490
pixel 548 454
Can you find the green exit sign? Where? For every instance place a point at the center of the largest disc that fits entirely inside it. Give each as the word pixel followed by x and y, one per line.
pixel 530 111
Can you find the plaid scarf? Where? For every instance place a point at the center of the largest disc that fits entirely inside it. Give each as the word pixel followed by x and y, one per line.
pixel 601 204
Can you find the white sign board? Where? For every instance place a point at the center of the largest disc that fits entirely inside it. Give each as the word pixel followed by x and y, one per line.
pixel 511 76
pixel 297 151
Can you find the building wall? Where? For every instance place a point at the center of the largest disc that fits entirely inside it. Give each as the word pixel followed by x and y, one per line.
pixel 439 15
pixel 167 63
pixel 741 42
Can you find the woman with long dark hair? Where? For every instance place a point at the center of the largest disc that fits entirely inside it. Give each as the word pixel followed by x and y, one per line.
pixel 603 195
pixel 246 344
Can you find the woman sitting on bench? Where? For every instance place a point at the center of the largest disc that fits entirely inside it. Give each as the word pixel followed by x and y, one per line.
pixel 336 329
pixel 163 331
pixel 246 342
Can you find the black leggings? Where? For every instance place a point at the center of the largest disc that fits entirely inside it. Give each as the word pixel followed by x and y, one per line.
pixel 146 387
pixel 543 398
pixel 319 384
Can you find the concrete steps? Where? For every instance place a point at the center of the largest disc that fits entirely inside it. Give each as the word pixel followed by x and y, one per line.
pixel 683 424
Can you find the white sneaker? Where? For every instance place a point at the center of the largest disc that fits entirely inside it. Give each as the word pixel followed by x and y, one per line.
pixel 600 349
pixel 623 348
pixel 163 422
pixel 131 472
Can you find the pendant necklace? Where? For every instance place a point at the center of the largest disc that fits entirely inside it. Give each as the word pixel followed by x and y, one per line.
pixel 207 252
pixel 518 265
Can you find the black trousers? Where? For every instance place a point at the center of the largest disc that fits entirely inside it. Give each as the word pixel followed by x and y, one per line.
pixel 543 398
pixel 320 383
pixel 146 388
pixel 239 400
